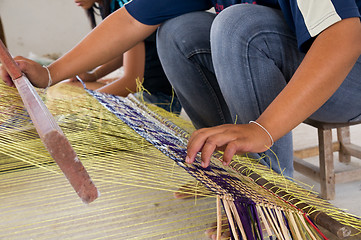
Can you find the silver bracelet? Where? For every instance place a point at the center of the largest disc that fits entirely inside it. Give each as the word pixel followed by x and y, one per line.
pixel 49 75
pixel 270 136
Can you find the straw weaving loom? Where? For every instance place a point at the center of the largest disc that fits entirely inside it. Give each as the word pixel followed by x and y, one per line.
pixel 135 157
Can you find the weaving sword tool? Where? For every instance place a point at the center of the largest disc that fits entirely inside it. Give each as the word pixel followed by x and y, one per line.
pixel 50 133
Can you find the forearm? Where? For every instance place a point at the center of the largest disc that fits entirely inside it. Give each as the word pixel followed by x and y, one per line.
pixel 325 66
pixel 120 87
pixel 108 67
pixel 103 44
pixel 134 62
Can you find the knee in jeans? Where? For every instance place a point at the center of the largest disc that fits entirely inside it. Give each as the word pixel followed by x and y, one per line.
pixel 244 20
pixel 183 34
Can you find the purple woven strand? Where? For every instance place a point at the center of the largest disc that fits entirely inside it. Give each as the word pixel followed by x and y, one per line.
pixel 176 150
pixel 229 225
pixel 256 217
pixel 245 219
pixel 287 223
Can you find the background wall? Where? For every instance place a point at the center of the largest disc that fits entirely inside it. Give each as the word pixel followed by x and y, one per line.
pixel 42 26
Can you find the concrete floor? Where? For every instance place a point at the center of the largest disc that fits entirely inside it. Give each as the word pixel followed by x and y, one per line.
pixel 348 195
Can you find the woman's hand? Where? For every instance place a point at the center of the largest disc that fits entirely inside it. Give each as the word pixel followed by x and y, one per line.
pixel 6 77
pixel 230 138
pixel 327 63
pixel 37 74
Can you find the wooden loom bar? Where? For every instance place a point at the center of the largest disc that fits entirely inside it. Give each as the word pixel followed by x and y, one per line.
pixel 320 218
pixel 50 133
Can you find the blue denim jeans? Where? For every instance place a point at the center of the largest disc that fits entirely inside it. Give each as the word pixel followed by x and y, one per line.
pixel 228 68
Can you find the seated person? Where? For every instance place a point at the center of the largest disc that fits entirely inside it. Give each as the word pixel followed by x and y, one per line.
pixel 141 66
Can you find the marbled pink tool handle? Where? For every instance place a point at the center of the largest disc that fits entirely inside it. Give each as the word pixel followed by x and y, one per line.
pixel 9 63
pixel 50 133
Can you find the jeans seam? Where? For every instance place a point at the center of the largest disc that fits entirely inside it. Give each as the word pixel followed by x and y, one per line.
pixel 248 45
pixel 198 51
pixel 204 80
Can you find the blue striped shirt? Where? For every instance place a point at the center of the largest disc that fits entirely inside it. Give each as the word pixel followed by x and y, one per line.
pixel 307 18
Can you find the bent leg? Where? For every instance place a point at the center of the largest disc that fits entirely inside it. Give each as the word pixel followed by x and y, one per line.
pixel 185 53
pixel 344 105
pixel 255 54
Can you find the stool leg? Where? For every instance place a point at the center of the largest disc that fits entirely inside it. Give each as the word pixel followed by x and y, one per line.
pixel 327 172
pixel 343 136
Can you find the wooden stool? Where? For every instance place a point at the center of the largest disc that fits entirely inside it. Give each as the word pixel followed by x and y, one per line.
pixel 325 173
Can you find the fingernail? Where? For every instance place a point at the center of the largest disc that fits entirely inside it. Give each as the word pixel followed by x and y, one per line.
pixel 188 159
